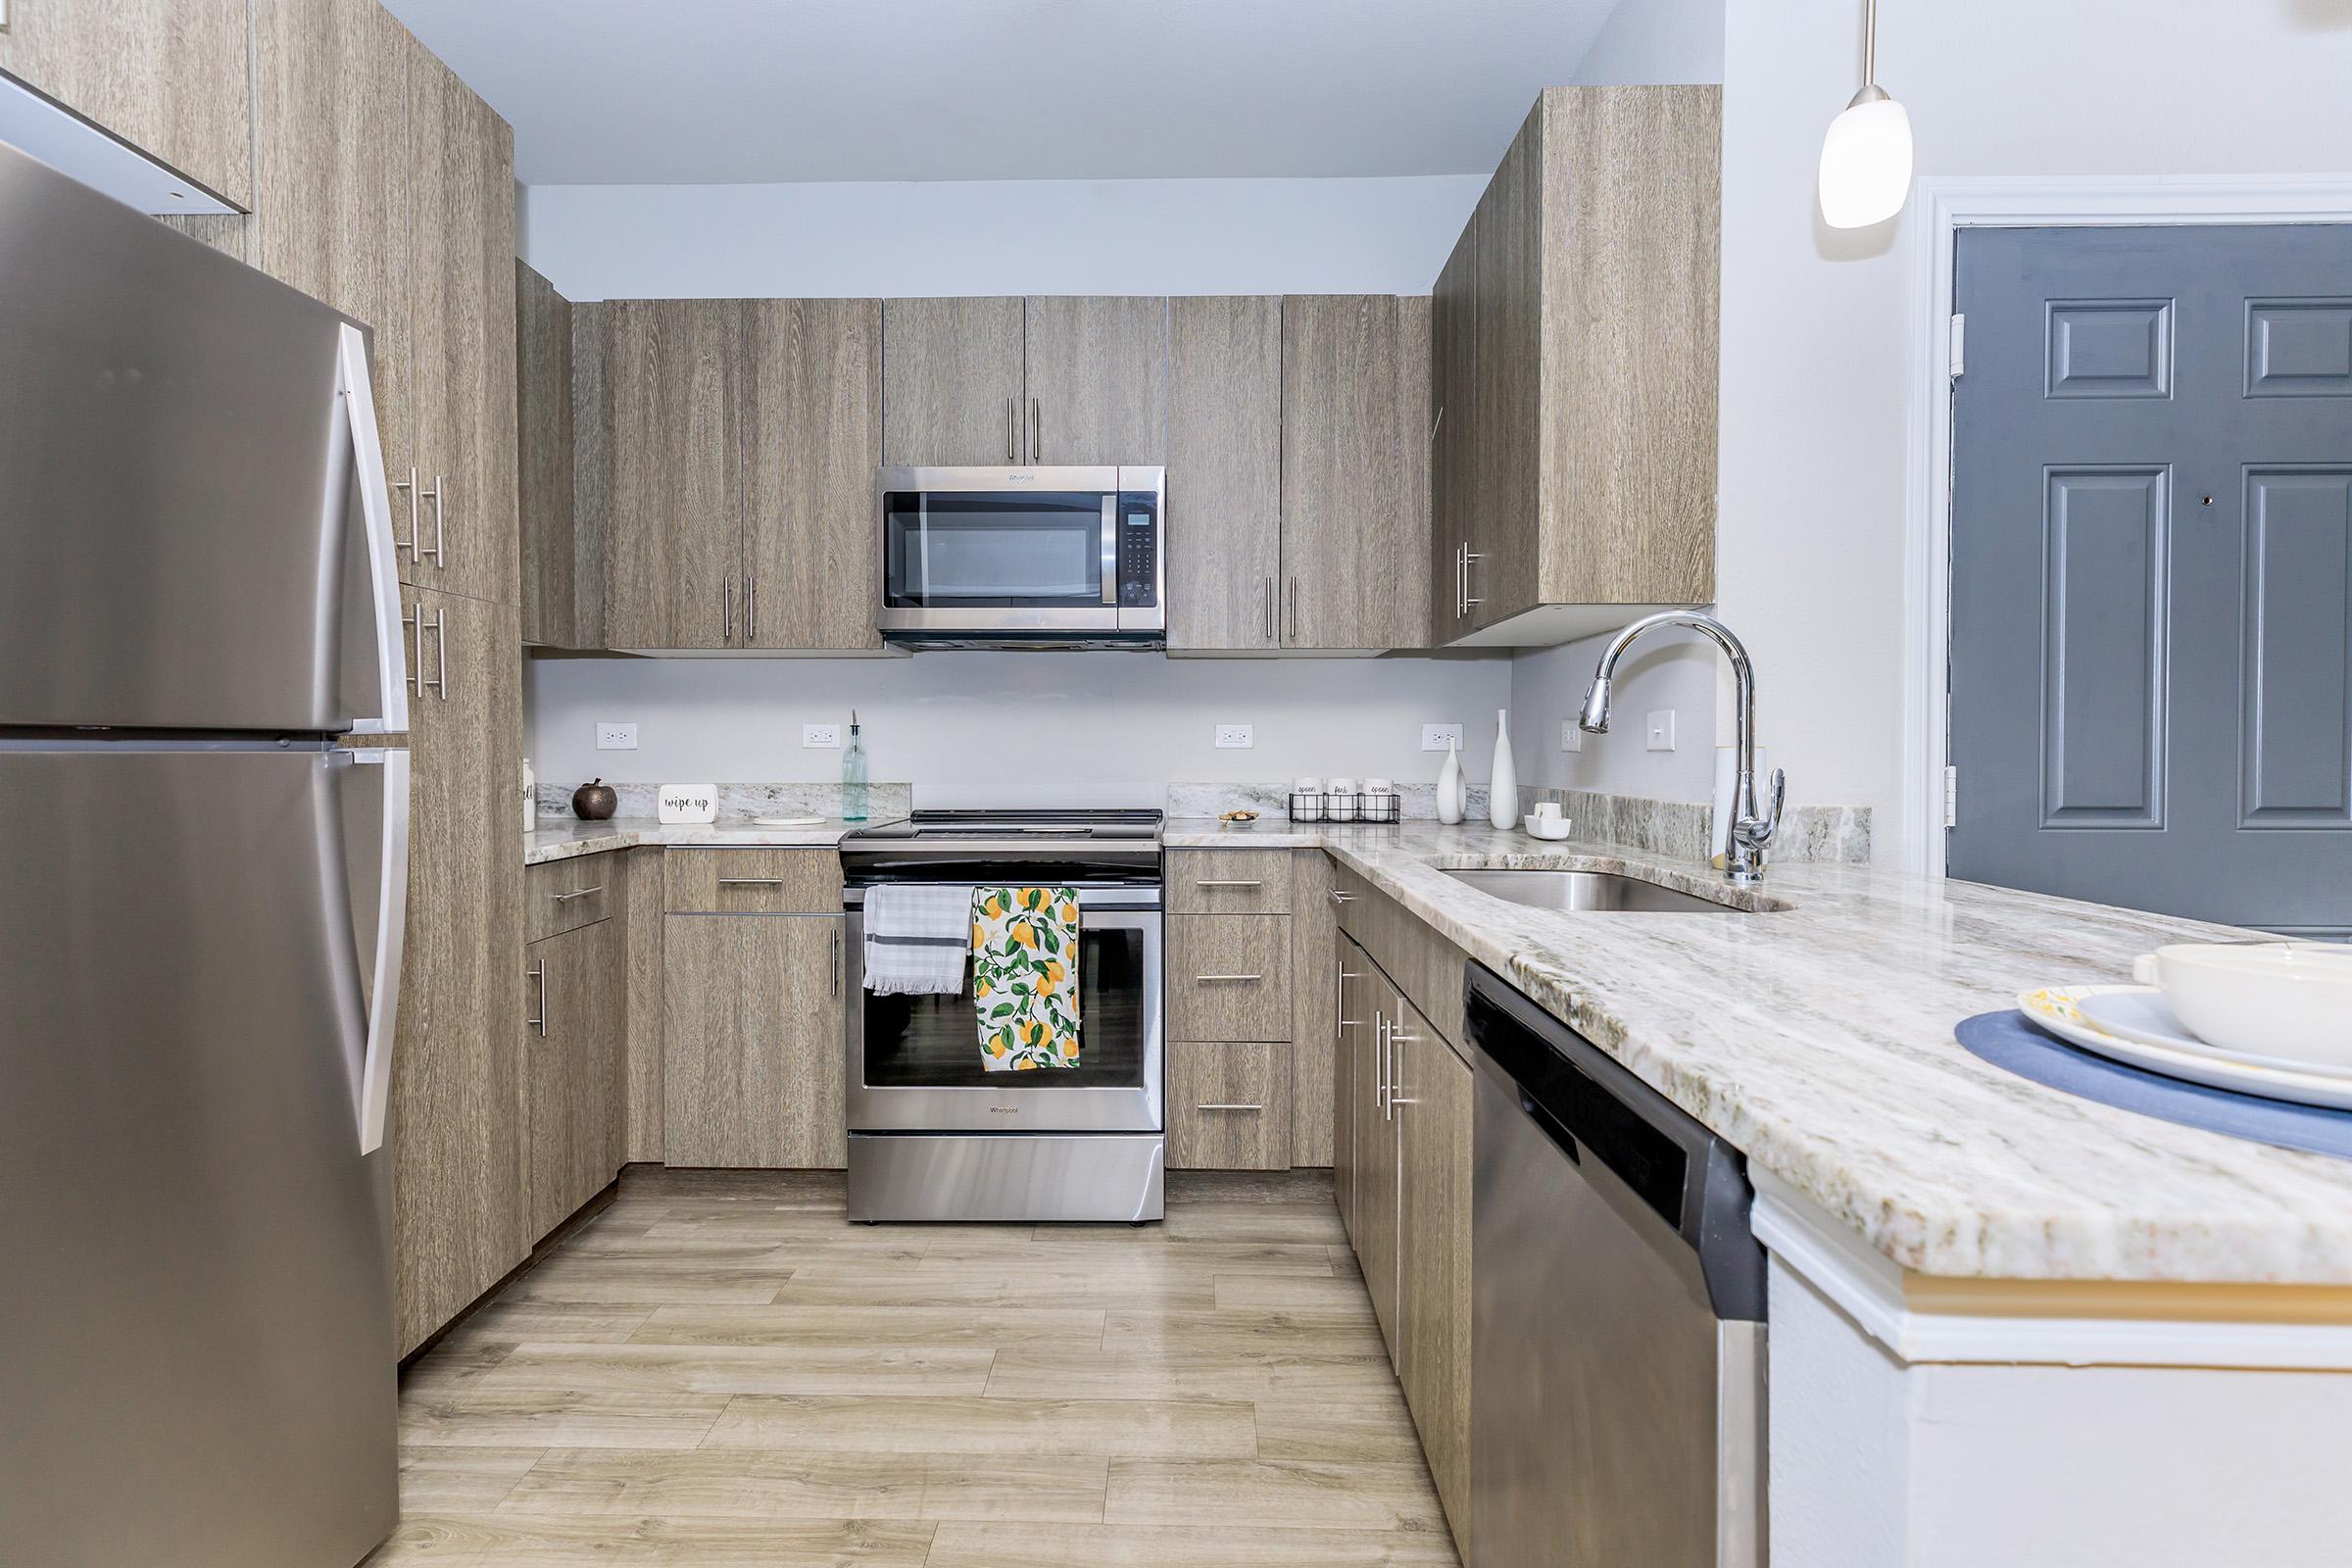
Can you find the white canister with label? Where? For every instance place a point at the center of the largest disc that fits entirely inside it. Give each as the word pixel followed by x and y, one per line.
pixel 688 802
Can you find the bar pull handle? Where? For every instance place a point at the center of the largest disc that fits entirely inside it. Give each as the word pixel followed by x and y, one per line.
pixel 409 544
pixel 726 608
pixel 751 606
pixel 1206 882
pixel 1340 897
pixel 1469 601
pixel 1221 979
pixel 1265 606
pixel 1380 1062
pixel 440 484
pixel 578 892
pixel 1398 1037
pixel 1339 996
pixel 439 626
pixel 537 974
pixel 1037 429
pixel 415 679
pixel 1013 426
pixel 1291 621
pixel 1229 1105
pixel 751 881
pixel 837 961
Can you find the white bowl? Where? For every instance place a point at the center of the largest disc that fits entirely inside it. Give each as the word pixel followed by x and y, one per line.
pixel 2280 1000
pixel 1552 829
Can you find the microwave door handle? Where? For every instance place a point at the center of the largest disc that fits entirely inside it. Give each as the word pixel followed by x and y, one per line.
pixel 1110 548
pixel 376 535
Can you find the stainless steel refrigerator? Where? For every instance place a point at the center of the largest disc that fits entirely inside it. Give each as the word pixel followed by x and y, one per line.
pixel 202 870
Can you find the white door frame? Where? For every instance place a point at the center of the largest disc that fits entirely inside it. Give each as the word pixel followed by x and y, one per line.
pixel 1943 204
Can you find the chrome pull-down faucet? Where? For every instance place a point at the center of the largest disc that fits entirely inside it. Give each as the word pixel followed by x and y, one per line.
pixel 1744 860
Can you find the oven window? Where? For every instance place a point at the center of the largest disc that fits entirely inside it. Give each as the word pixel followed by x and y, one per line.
pixel 945 548
pixel 934 1041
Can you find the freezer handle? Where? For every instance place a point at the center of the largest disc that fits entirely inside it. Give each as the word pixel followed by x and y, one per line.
pixel 375 525
pixel 379 872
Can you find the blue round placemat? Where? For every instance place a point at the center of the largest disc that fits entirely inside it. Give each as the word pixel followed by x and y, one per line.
pixel 2009 1039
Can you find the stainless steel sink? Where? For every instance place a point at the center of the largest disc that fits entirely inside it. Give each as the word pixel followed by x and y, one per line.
pixel 1585 890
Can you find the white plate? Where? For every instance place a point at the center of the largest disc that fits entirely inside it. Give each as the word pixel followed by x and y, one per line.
pixel 2058 1008
pixel 2140 1012
pixel 788 821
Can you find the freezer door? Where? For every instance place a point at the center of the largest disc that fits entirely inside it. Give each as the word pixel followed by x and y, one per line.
pixel 193 517
pixel 197 1292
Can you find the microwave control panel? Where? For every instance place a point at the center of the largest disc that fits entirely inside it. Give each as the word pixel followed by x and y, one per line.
pixel 1139 550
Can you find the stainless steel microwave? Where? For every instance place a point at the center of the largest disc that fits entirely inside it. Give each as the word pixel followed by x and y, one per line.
pixel 1030 558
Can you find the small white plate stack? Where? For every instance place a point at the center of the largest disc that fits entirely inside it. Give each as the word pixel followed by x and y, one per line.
pixel 2270 1018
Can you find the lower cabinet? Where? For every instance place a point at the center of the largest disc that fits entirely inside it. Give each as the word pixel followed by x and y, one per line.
pixel 1402 1124
pixel 1229 1104
pixel 574 1079
pixel 751 1040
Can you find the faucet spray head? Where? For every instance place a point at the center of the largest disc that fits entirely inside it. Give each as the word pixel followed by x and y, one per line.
pixel 1595 720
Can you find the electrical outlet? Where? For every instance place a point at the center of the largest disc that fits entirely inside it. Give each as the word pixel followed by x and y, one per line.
pixel 822 736
pixel 1438 737
pixel 1235 738
pixel 614 737
pixel 1572 735
pixel 1658 729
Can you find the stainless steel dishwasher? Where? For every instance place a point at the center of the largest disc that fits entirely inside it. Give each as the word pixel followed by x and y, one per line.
pixel 1617 1313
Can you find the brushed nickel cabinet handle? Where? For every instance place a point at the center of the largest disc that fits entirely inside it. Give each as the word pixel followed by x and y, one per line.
pixel 1338 896
pixel 1380 1062
pixel 1223 979
pixel 410 485
pixel 1265 606
pixel 439 626
pixel 837 961
pixel 726 608
pixel 1012 427
pixel 751 881
pixel 538 972
pixel 1229 1105
pixel 414 621
pixel 1037 429
pixel 751 606
pixel 1339 996
pixel 1291 621
pixel 440 483
pixel 1206 882
pixel 580 893
pixel 1469 603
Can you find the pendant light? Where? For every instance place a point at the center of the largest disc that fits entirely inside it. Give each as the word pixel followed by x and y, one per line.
pixel 1866 158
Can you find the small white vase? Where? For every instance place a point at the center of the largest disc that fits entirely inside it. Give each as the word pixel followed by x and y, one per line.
pixel 1502 796
pixel 1449 786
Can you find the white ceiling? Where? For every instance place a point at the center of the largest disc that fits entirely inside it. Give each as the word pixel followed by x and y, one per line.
pixel 729 91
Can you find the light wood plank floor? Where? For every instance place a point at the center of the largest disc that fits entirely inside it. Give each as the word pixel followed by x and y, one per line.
pixel 721 1370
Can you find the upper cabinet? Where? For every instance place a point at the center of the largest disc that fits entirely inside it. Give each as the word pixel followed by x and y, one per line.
pixel 1053 380
pixel 1574 370
pixel 169 76
pixel 1224 544
pixel 1354 472
pixel 725 470
pixel 543 430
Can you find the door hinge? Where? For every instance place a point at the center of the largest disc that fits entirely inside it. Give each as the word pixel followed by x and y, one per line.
pixel 1957 351
pixel 1952 797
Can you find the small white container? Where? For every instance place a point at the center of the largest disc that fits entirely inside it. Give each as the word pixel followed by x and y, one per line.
pixel 1310 807
pixel 1339 800
pixel 2268 999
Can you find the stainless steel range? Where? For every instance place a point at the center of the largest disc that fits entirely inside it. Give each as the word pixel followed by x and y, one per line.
pixel 935 1136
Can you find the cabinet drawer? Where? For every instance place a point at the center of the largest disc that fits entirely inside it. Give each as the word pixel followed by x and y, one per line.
pixel 560 895
pixel 751 881
pixel 1229 881
pixel 1229 976
pixel 1229 1105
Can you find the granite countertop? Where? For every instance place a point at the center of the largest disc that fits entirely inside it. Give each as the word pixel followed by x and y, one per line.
pixel 562 840
pixel 1818 1040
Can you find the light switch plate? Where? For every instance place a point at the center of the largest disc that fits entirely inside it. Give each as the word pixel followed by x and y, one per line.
pixel 822 736
pixel 1572 735
pixel 1658 729
pixel 614 736
pixel 1436 737
pixel 1235 738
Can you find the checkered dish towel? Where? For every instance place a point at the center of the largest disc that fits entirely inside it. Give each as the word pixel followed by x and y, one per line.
pixel 1025 976
pixel 917 939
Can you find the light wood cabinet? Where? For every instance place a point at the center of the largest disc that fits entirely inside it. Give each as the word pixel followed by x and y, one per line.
pixel 1351 1112
pixel 1229 1105
pixel 809 412
pixel 753 1046
pixel 1575 357
pixel 460 1218
pixel 1228 881
pixel 574 1086
pixel 560 895
pixel 1376 1157
pixel 751 881
pixel 732 494
pixel 1224 547
pixel 953 382
pixel 1431 1105
pixel 1229 976
pixel 545 516
pixel 1314 1007
pixel 1354 472
pixel 169 76
pixel 1097 379
pixel 460 243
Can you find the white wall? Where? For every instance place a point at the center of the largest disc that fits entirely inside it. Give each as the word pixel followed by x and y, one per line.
pixel 1054 236
pixel 996 729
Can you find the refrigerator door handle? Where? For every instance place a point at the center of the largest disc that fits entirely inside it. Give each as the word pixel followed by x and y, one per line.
pixel 377 861
pixel 375 523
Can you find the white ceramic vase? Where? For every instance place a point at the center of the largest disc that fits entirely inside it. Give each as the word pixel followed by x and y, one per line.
pixel 1502 796
pixel 1450 791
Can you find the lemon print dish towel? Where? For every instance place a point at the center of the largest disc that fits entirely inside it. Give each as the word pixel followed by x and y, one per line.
pixel 1025 978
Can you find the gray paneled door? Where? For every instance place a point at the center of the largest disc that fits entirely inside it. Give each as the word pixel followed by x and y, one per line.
pixel 2152 654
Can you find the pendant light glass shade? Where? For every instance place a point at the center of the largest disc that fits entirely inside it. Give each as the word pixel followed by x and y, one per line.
pixel 1866 158
pixel 1866 162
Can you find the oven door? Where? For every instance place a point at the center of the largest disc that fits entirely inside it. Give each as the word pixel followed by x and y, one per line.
pixel 914 1061
pixel 999 550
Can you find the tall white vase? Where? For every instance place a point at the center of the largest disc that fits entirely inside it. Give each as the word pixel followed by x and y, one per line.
pixel 1451 792
pixel 1502 796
